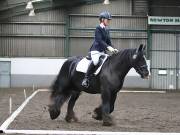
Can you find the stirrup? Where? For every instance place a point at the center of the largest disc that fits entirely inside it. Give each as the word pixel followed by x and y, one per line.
pixel 85 83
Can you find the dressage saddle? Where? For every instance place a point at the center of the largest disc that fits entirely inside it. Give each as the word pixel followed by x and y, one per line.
pixel 101 58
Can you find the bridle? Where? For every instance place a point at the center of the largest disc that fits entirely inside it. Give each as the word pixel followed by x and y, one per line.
pixel 140 69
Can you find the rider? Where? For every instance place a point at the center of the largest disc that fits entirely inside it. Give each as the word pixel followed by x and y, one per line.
pixel 102 42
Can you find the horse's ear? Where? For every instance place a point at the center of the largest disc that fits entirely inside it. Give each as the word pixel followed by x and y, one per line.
pixel 141 47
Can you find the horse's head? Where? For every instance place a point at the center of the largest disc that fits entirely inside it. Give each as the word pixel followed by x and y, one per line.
pixel 139 62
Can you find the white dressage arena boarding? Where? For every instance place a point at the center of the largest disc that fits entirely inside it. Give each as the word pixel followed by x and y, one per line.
pixel 4 126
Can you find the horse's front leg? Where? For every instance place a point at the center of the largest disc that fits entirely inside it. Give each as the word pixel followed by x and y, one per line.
pixel 97 113
pixel 113 99
pixel 106 99
pixel 70 113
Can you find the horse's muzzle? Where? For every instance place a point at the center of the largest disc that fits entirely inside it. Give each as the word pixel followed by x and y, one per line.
pixel 145 75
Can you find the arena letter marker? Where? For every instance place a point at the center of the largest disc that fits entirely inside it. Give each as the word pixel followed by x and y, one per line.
pixel 25 94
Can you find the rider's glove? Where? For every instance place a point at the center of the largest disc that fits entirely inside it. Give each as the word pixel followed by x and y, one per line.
pixel 112 49
pixel 116 50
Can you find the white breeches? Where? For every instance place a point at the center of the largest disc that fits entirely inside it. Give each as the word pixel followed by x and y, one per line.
pixel 95 56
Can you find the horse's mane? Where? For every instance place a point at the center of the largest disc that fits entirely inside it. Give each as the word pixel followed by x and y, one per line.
pixel 125 54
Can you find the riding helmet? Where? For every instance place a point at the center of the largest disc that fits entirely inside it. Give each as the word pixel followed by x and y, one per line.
pixel 105 15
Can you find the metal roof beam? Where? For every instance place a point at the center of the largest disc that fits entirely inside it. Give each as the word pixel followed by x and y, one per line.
pixel 17 7
pixel 20 9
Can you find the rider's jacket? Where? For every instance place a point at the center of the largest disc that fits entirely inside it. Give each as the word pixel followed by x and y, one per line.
pixel 101 40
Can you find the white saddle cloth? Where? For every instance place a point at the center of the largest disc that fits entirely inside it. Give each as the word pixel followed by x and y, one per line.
pixel 83 65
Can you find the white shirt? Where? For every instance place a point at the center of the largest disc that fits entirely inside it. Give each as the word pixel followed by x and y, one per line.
pixel 102 25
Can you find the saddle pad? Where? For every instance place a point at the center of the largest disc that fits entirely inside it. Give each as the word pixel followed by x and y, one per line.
pixel 83 65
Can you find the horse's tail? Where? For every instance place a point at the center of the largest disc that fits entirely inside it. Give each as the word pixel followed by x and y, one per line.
pixel 56 87
pixel 59 90
pixel 62 80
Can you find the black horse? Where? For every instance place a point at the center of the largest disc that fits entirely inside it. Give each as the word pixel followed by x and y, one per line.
pixel 108 82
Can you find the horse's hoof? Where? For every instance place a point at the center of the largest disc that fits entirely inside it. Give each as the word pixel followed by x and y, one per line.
pixel 97 113
pixel 107 123
pixel 69 119
pixel 107 120
pixel 75 119
pixel 96 117
pixel 53 112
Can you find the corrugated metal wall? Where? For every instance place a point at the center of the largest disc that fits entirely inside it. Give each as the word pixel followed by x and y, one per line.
pixel 69 32
pixel 55 33
pixel 178 61
pixel 140 7
pixel 165 46
pixel 126 30
pixel 24 36
pixel 119 7
pixel 164 8
pixel 164 58
pixel 41 35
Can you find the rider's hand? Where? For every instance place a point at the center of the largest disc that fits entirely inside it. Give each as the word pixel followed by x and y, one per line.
pixel 116 50
pixel 112 49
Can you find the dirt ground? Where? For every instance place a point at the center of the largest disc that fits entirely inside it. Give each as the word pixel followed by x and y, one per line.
pixel 137 112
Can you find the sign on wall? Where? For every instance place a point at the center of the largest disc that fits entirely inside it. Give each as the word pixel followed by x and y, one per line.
pixel 162 20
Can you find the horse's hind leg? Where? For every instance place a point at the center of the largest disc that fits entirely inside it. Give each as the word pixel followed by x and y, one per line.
pixel 70 113
pixel 56 104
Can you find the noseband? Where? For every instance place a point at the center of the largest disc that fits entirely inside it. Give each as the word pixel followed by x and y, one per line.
pixel 139 69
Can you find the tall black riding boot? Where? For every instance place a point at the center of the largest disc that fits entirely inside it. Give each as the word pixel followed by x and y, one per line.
pixel 90 71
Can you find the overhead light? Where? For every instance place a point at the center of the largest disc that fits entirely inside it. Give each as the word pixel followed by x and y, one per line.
pixel 106 2
pixel 36 0
pixel 29 5
pixel 32 13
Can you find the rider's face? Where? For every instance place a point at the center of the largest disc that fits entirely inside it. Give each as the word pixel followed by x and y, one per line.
pixel 106 22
